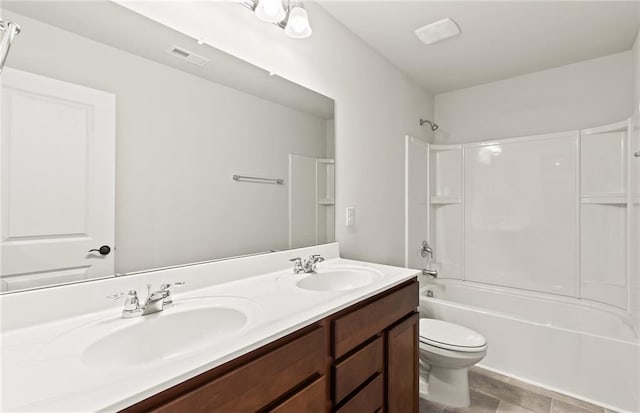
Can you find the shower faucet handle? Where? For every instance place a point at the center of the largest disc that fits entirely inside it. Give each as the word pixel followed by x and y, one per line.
pixel 426 250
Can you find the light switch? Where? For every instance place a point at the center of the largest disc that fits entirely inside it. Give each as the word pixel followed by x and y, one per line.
pixel 351 216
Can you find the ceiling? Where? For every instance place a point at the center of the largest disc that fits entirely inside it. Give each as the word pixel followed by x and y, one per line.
pixel 138 35
pixel 499 40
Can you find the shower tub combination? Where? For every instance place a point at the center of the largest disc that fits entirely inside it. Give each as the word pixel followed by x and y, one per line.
pixel 563 344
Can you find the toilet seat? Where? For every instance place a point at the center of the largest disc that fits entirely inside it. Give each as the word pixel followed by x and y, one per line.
pixel 450 336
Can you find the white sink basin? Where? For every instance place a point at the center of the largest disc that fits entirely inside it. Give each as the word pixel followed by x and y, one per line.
pixel 338 278
pixel 165 335
pixel 190 325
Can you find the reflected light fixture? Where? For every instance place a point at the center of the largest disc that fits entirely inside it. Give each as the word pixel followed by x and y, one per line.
pixel 298 25
pixel 270 11
pixel 294 19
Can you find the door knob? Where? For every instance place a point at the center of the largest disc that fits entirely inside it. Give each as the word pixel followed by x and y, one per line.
pixel 104 250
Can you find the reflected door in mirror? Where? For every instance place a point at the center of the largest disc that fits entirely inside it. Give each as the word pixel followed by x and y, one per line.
pixel 58 169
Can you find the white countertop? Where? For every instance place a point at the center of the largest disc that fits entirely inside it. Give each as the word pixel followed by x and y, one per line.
pixel 42 369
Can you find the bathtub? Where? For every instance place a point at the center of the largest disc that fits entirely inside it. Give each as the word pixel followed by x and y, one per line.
pixel 587 350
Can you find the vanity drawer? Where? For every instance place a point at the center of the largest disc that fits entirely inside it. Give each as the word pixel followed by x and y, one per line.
pixel 311 399
pixel 368 400
pixel 258 383
pixel 350 373
pixel 363 323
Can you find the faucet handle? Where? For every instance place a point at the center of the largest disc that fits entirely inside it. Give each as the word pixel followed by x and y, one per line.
pixel 309 265
pixel 166 287
pixel 131 303
pixel 297 265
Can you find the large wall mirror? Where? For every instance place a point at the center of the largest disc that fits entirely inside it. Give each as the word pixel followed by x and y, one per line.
pixel 127 146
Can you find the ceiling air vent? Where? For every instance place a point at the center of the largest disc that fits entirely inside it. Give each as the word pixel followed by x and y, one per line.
pixel 189 56
pixel 438 31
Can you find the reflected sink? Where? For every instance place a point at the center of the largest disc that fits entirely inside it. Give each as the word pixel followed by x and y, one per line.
pixel 339 278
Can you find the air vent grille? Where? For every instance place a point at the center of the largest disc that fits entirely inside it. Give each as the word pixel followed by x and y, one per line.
pixel 189 56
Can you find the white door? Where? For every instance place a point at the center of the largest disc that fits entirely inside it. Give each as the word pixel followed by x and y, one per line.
pixel 58 181
pixel 416 201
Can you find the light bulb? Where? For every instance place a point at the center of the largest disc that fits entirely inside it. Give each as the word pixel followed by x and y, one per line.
pixel 298 25
pixel 270 11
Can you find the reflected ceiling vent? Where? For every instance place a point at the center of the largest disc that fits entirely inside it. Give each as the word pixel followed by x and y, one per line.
pixel 189 56
pixel 438 31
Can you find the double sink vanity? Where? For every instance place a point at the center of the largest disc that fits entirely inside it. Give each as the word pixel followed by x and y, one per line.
pixel 248 334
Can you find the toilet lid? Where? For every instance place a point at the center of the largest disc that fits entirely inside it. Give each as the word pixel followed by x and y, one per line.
pixel 450 336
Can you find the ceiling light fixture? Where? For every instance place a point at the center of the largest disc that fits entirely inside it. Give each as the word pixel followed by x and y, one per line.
pixel 438 31
pixel 294 19
pixel 298 25
pixel 270 11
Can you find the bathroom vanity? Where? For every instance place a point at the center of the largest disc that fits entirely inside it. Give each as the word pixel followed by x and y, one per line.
pixel 242 335
pixel 361 359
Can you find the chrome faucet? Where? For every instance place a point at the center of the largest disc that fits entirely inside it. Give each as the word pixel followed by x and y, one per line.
pixel 430 273
pixel 156 301
pixel 308 266
pixel 427 251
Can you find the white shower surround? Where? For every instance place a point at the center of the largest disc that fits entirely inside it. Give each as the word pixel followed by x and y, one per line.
pixel 550 213
pixel 584 349
pixel 582 339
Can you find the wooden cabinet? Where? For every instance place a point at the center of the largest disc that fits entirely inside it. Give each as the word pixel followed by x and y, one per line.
pixel 311 399
pixel 362 359
pixel 376 342
pixel 402 369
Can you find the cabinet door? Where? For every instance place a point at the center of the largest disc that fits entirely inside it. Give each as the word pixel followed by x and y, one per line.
pixel 402 366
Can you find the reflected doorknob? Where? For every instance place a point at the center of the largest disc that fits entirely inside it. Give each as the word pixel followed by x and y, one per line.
pixel 104 250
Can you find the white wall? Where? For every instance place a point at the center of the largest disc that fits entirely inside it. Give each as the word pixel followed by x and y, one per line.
pixel 636 72
pixel 376 105
pixel 584 94
pixel 179 140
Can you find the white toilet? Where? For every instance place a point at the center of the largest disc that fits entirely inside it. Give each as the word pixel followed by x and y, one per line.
pixel 447 350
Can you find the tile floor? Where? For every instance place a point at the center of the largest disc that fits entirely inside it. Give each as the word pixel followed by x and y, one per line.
pixel 495 393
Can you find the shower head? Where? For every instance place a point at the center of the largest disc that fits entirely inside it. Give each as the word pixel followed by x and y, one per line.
pixel 434 127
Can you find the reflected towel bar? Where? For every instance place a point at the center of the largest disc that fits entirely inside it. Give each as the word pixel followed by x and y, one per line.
pixel 277 181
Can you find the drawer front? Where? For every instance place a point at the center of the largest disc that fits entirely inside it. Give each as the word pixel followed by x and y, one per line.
pixel 311 399
pixel 357 326
pixel 357 368
pixel 259 382
pixel 368 400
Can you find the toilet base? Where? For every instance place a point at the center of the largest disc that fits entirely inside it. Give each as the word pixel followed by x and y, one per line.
pixel 446 386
